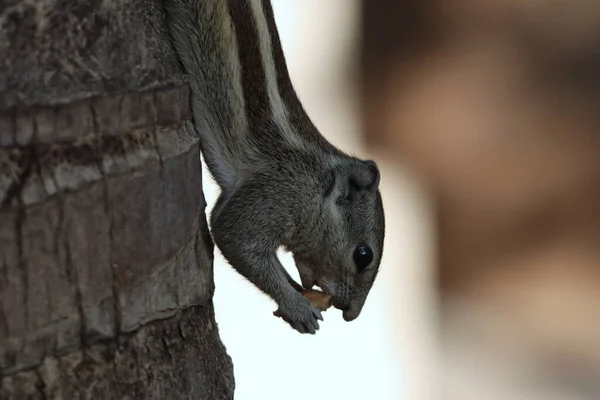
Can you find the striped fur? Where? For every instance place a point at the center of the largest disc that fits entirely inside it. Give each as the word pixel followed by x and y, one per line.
pixel 282 183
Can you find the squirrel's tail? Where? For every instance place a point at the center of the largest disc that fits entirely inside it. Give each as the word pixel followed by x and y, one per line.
pixel 206 47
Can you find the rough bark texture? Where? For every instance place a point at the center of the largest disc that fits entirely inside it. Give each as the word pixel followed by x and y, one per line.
pixel 106 276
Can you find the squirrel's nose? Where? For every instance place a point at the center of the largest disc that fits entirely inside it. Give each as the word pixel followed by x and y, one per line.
pixel 350 314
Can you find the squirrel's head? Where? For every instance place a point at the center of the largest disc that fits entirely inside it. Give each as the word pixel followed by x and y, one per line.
pixel 347 257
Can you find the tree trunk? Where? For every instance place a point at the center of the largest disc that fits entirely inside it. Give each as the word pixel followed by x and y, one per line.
pixel 106 277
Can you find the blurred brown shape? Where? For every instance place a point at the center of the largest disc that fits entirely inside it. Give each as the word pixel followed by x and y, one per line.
pixel 495 105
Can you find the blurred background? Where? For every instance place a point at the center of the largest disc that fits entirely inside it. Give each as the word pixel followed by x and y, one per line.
pixel 484 118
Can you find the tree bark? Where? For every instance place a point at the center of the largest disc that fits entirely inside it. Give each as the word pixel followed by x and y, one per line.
pixel 106 277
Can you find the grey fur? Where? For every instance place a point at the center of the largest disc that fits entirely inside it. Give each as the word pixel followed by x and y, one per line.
pixel 276 191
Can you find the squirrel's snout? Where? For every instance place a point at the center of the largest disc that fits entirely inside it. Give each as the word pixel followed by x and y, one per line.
pixel 350 314
pixel 340 297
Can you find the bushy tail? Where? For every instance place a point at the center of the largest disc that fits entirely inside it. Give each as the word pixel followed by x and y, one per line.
pixel 205 43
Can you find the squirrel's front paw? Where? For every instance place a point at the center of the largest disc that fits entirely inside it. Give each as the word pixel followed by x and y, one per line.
pixel 300 314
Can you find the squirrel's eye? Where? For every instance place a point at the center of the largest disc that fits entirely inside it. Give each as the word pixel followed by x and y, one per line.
pixel 363 255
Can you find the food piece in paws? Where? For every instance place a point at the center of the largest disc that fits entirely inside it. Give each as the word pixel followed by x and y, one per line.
pixel 320 300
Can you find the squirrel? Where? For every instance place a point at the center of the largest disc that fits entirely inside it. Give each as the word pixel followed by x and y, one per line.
pixel 283 185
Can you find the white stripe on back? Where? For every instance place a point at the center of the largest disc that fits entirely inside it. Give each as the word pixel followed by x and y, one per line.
pixel 278 108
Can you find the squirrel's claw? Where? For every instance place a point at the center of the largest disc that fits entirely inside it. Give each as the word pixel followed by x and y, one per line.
pixel 300 314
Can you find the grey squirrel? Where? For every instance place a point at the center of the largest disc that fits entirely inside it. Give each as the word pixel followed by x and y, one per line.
pixel 282 183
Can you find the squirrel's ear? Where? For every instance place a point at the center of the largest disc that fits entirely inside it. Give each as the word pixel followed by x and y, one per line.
pixel 365 176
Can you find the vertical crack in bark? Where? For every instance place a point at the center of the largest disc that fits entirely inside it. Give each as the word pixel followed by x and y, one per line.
pixel 113 268
pixel 72 273
pixel 166 345
pixel 161 160
pixel 107 209
pixel 180 325
pixel 22 263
